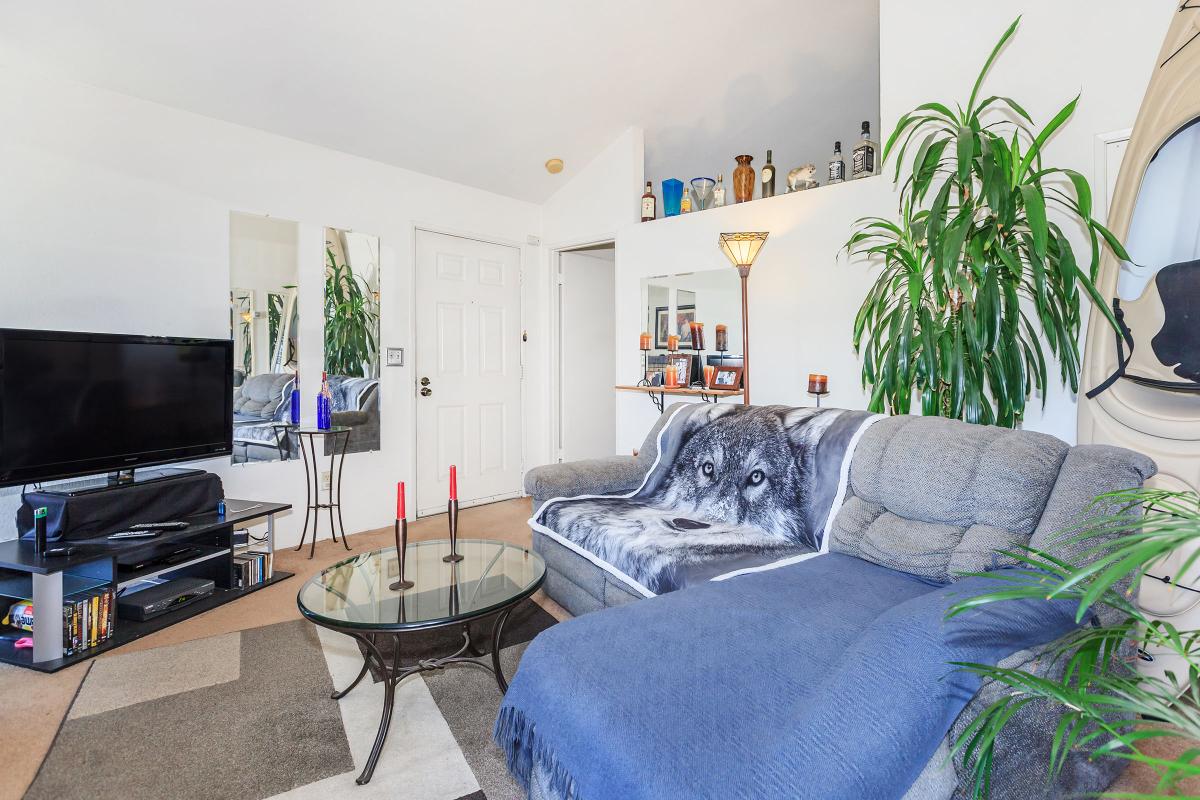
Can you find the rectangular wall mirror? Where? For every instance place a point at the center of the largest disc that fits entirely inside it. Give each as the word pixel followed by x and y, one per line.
pixel 352 334
pixel 673 302
pixel 263 276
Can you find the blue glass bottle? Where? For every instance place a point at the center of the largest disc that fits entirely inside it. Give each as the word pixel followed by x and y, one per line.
pixel 324 405
pixel 295 409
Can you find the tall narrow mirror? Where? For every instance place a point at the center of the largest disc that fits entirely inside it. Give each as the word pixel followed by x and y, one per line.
pixel 263 276
pixel 352 334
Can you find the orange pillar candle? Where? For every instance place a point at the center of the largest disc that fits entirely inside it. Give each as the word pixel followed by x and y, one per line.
pixel 672 343
pixel 817 383
pixel 722 338
pixel 709 371
pixel 644 342
pixel 669 376
pixel 697 329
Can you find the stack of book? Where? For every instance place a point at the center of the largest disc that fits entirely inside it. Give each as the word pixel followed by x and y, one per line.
pixel 88 619
pixel 251 568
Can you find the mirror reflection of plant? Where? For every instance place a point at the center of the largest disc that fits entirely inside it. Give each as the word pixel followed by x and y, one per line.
pixel 274 317
pixel 351 320
pixel 948 316
pixel 1105 701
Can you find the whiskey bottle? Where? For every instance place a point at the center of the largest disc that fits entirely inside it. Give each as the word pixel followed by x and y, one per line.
pixel 837 167
pixel 685 205
pixel 719 192
pixel 649 204
pixel 768 177
pixel 865 163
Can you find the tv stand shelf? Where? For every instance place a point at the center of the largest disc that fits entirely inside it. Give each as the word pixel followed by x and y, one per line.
pixel 94 564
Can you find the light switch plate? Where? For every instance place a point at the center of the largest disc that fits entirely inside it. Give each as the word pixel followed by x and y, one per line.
pixel 395 357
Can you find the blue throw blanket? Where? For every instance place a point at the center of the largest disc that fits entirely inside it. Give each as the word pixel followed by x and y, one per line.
pixel 829 678
pixel 734 487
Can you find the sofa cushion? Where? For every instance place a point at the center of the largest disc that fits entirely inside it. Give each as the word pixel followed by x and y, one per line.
pixel 261 396
pixel 935 497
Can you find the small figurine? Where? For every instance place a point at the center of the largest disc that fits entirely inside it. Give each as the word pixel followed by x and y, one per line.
pixel 801 178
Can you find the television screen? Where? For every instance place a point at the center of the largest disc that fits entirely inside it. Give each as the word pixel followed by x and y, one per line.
pixel 81 403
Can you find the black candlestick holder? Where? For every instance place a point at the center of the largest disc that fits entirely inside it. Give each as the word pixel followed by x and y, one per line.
pixel 819 395
pixel 452 514
pixel 699 362
pixel 401 533
pixel 645 367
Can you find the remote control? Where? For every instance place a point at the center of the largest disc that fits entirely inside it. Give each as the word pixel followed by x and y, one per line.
pixel 132 534
pixel 158 526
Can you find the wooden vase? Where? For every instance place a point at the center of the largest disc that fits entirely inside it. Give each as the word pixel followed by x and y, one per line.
pixel 743 179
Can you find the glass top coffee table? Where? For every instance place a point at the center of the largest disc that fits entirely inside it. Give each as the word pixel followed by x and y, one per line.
pixel 353 597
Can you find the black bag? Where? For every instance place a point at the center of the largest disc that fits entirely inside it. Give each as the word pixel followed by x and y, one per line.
pixel 89 516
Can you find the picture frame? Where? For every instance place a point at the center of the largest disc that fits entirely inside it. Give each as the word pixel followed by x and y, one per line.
pixel 727 378
pixel 684 317
pixel 681 364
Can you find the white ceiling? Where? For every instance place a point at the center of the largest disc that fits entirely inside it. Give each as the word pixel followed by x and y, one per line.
pixel 481 92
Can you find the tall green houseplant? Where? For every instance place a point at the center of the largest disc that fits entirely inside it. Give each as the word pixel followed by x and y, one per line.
pixel 978 269
pixel 351 321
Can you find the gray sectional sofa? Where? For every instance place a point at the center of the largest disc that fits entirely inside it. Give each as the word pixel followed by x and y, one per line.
pixel 925 496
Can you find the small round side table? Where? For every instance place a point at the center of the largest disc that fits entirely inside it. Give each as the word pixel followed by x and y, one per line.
pixel 307 438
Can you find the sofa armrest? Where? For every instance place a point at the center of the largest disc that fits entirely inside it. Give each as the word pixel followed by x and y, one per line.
pixel 611 475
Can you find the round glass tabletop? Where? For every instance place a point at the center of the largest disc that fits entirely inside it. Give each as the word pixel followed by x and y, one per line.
pixel 354 593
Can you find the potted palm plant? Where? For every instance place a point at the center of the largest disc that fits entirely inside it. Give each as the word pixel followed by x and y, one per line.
pixel 1106 703
pixel 979 268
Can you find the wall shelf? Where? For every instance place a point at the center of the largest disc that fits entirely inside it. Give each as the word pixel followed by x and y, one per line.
pixel 657 394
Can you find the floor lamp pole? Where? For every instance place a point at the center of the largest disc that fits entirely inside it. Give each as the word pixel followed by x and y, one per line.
pixel 744 272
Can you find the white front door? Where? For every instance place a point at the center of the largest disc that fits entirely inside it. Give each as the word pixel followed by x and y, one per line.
pixel 587 355
pixel 468 367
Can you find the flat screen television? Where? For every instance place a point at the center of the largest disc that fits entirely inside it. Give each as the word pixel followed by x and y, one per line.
pixel 75 404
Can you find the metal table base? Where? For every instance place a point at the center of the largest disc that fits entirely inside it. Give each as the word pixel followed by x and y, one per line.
pixel 312 484
pixel 466 655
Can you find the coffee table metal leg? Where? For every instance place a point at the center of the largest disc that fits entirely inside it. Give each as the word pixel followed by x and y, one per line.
pixel 497 630
pixel 385 722
pixel 361 673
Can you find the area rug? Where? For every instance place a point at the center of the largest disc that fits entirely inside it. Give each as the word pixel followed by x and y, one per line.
pixel 248 715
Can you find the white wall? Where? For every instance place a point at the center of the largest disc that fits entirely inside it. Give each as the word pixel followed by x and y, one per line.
pixel 114 216
pixel 802 296
pixel 590 208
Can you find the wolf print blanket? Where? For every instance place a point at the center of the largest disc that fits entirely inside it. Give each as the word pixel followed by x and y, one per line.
pixel 734 488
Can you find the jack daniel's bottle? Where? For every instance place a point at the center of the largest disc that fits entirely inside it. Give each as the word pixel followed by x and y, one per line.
pixel 865 160
pixel 837 167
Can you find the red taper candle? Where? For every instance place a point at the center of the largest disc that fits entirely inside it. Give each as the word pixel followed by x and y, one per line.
pixel 453 482
pixel 400 501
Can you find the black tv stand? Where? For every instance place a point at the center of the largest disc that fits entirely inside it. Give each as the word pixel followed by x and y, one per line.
pixel 113 480
pixel 96 563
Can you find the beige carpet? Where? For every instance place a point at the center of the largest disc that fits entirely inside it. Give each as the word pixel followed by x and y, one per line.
pixel 34 705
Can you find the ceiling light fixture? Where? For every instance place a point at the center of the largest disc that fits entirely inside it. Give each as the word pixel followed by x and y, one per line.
pixel 554 166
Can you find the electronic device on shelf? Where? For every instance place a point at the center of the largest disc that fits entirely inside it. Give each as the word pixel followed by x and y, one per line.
pixel 158 526
pixel 157 559
pixel 74 404
pixel 160 598
pixel 134 534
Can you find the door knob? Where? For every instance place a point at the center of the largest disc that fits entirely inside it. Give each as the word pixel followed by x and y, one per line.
pixel 426 391
pixel 424 381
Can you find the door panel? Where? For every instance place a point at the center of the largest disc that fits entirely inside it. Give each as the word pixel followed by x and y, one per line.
pixel 468 346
